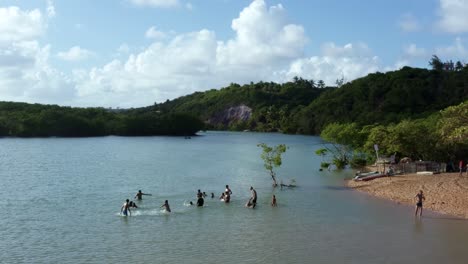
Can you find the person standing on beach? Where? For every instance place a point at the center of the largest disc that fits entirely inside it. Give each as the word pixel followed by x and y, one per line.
pixel 166 206
pixel 139 195
pixel 419 205
pixel 253 198
pixel 460 166
pixel 125 209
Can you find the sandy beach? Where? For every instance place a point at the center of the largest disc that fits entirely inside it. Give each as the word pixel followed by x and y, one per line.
pixel 446 193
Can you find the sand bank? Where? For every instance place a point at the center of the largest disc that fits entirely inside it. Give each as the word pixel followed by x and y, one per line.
pixel 446 193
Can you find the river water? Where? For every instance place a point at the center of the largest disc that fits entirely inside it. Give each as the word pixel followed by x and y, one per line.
pixel 61 199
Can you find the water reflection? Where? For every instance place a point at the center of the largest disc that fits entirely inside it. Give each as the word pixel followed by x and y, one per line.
pixel 418 227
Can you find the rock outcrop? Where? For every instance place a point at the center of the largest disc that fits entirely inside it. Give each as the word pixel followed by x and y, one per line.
pixel 230 115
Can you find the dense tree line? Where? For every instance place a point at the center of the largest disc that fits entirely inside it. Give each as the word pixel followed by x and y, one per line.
pixel 36 120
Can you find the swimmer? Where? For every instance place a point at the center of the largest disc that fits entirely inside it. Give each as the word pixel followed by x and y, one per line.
pixel 125 209
pixel 204 194
pixel 166 206
pixel 199 194
pixel 273 201
pixel 212 195
pixel 139 195
pixel 200 201
pixel 191 203
pixel 132 205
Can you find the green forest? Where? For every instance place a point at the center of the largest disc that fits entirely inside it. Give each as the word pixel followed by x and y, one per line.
pixel 36 120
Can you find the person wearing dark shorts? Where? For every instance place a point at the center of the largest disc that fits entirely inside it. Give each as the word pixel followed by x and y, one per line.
pixel 419 204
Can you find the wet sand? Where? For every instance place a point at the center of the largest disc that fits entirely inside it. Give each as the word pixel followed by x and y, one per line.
pixel 445 193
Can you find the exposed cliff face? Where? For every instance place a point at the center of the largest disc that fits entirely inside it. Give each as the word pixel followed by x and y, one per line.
pixel 231 114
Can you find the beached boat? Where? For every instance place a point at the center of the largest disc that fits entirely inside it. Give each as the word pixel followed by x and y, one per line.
pixel 360 175
pixel 369 178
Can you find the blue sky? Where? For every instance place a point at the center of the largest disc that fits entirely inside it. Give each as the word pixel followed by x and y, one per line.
pixel 131 53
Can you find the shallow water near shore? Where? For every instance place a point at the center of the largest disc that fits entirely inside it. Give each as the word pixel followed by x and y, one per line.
pixel 61 200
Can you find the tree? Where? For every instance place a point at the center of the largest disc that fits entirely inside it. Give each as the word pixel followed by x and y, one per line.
pixel 436 63
pixel 340 82
pixel 321 84
pixel 272 158
pixel 452 126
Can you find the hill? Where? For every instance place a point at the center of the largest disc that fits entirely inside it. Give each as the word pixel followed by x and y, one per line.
pixel 302 107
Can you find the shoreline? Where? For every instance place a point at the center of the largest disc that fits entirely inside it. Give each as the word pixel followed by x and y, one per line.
pixel 446 193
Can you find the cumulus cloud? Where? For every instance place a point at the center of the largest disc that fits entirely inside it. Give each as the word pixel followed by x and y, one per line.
pixel 25 71
pixel 409 23
pixel 75 53
pixel 262 36
pixel 156 3
pixel 453 16
pixel 18 25
pixel 350 61
pixel 152 33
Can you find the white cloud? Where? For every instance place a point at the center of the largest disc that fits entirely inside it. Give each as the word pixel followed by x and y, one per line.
pixel 18 25
pixel 455 51
pixel 75 53
pixel 263 36
pixel 152 33
pixel 409 23
pixel 25 72
pixel 453 16
pixel 350 61
pixel 156 3
pixel 413 51
pixel 50 9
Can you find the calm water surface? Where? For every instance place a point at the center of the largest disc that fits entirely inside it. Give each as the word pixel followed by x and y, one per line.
pixel 61 199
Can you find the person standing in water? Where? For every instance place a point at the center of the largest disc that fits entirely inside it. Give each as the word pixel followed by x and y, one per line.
pixel 200 201
pixel 166 206
pixel 273 201
pixel 125 209
pixel 139 195
pixel 228 190
pixel 419 205
pixel 253 198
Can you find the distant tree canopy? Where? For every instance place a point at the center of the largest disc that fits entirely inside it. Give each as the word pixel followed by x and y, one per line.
pixel 35 120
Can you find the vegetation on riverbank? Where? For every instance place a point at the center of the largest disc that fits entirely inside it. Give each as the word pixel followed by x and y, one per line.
pixel 35 120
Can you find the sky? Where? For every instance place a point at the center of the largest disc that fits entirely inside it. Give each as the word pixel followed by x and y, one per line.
pixel 133 53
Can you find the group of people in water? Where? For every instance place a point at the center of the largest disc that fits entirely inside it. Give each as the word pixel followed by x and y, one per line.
pixel 125 210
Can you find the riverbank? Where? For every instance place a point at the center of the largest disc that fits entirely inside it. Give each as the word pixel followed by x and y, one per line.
pixel 445 193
